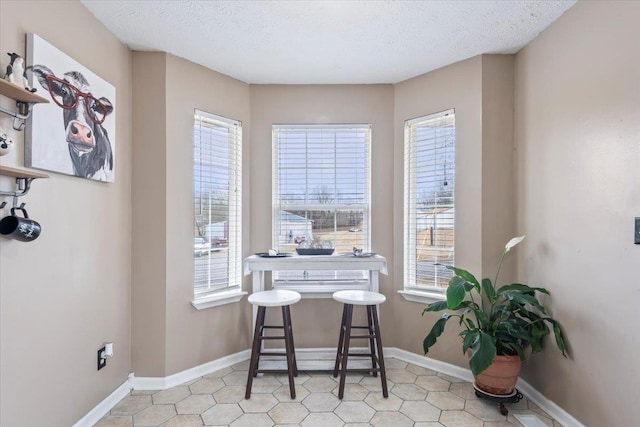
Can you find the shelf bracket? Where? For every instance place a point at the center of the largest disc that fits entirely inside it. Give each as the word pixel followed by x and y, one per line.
pixel 19 117
pixel 23 186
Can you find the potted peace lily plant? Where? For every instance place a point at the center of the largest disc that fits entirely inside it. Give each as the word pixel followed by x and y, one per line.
pixel 500 324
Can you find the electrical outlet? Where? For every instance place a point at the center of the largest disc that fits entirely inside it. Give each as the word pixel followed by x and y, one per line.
pixel 637 231
pixel 102 361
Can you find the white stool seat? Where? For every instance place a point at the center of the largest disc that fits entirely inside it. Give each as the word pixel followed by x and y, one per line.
pixel 355 297
pixel 274 298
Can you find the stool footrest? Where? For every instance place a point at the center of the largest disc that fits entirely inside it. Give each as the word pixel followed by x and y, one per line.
pixel 371 370
pixel 272 353
pixel 355 337
pixel 272 371
pixel 272 327
pixel 369 355
pixel 272 338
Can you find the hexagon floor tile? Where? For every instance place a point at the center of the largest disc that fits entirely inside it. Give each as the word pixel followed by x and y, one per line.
pixel 418 397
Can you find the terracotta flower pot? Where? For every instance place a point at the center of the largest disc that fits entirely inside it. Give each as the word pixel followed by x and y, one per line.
pixel 501 376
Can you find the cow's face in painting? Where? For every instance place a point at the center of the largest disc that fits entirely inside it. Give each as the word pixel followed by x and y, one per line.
pixel 82 112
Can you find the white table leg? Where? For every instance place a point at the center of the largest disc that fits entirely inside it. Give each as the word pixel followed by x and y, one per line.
pixel 374 287
pixel 258 286
pixel 373 280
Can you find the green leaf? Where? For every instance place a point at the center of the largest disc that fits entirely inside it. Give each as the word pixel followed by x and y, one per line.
pixel 456 292
pixel 530 315
pixel 436 331
pixel 526 289
pixel 483 319
pixel 489 291
pixel 435 306
pixel 463 274
pixel 538 331
pixel 517 333
pixel 515 348
pixel 467 341
pixel 483 352
pixel 557 331
pixel 499 311
pixel 524 299
pixel 470 323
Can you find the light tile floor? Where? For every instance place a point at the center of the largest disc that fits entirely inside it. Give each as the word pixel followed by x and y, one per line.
pixel 417 397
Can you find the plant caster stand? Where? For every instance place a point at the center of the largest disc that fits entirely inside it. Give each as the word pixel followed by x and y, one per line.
pixel 514 397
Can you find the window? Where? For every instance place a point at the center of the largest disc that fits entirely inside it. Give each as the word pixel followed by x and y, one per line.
pixel 429 212
pixel 217 180
pixel 321 190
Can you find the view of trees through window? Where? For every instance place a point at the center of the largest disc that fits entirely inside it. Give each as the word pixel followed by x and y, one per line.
pixel 343 228
pixel 321 186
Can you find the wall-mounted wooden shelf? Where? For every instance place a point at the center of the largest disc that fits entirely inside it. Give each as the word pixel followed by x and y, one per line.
pixel 21 173
pixel 23 177
pixel 24 102
pixel 10 90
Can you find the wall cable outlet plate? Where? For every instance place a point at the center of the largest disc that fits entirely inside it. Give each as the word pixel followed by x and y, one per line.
pixel 102 362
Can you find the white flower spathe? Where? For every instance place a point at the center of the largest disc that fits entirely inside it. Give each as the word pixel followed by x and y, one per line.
pixel 511 243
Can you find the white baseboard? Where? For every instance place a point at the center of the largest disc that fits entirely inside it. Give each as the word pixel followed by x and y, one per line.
pixel 162 383
pixel 426 362
pixel 559 414
pixel 102 408
pixel 310 354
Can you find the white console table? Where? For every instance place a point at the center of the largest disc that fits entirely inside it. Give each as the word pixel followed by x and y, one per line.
pixel 374 265
pixel 308 288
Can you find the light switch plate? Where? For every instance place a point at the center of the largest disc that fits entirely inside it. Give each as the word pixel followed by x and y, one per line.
pixel 637 231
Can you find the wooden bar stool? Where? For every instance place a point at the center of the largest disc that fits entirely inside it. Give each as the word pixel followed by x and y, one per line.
pixel 370 300
pixel 273 298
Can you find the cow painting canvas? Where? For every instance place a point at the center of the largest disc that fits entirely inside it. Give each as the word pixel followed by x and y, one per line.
pixel 75 133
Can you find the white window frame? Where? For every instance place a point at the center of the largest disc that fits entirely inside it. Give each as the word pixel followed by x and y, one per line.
pixel 232 292
pixel 412 291
pixel 330 279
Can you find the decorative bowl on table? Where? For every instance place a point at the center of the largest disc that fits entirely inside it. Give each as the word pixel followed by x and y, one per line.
pixel 315 247
pixel 314 251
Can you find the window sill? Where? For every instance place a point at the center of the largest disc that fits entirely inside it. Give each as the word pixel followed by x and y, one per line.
pixel 422 297
pixel 216 300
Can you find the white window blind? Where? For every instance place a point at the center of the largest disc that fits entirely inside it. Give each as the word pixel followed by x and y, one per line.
pixel 321 189
pixel 429 183
pixel 217 175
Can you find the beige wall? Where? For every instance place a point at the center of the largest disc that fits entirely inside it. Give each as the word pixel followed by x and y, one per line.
pixel 195 337
pixel 578 189
pixel 66 294
pixel 498 203
pixel 149 215
pixel 169 334
pixel 272 104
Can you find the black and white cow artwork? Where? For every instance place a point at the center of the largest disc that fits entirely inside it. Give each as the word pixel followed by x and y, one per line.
pixel 83 114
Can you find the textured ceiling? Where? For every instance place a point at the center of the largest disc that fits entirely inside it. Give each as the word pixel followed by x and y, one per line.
pixel 296 42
